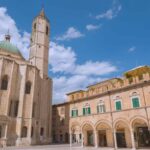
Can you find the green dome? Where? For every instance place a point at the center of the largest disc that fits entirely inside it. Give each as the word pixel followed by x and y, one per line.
pixel 8 47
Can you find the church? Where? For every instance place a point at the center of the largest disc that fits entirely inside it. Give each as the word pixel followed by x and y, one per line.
pixel 26 89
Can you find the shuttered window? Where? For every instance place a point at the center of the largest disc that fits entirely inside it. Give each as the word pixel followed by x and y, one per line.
pixel 135 102
pixel 86 111
pixel 74 113
pixel 118 105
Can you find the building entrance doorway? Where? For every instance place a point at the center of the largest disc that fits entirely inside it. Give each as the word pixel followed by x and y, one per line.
pixel 102 138
pixel 90 138
pixel 143 137
pixel 121 141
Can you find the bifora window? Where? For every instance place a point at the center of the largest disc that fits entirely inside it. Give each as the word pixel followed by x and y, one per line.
pixel 74 112
pixel 118 105
pixel 86 110
pixel 101 107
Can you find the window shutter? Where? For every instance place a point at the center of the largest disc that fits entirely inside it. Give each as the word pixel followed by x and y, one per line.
pixel 135 102
pixel 72 113
pixel 83 111
pixel 89 110
pixel 118 105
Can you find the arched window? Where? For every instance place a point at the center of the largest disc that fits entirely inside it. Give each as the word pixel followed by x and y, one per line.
pixel 0 131
pixel 41 131
pixel 4 83
pixel 34 26
pixel 101 107
pixel 86 109
pixel 28 87
pixel 47 30
pixel 24 132
pixel 135 100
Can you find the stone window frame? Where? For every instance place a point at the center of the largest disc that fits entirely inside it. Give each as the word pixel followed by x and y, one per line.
pixel 135 94
pixel 87 108
pixel 117 99
pixel 74 109
pixel 101 103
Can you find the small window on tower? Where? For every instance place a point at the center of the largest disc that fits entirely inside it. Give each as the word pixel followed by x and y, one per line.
pixel 47 30
pixel 35 26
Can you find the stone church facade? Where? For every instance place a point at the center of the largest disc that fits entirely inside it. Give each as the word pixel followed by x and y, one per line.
pixel 26 89
pixel 113 113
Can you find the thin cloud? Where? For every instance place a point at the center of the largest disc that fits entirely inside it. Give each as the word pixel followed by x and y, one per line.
pixel 91 27
pixel 132 49
pixel 70 34
pixel 110 13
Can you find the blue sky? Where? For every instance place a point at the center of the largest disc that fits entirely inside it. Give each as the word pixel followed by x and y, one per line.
pixel 90 40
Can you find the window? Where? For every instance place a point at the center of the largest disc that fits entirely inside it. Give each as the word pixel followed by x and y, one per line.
pixel 28 87
pixel 118 105
pixel 4 83
pixel 101 107
pixel 86 110
pixel 42 131
pixel 24 132
pixel 74 113
pixel 0 131
pixel 135 102
pixel 47 30
pixel 34 26
pixel 13 110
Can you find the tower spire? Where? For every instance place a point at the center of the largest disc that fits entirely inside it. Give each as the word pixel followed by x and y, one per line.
pixel 42 13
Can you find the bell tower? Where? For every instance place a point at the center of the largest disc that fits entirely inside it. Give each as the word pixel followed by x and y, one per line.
pixel 39 48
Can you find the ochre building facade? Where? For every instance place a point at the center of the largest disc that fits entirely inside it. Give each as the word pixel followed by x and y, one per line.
pixel 25 89
pixel 113 113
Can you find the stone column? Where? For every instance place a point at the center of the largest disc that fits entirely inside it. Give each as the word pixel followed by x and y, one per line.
pixel 70 139
pixel 132 138
pixel 96 139
pixel 115 140
pixel 5 133
pixel 82 140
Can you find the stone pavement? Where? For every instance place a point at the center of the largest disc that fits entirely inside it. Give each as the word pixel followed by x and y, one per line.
pixel 58 147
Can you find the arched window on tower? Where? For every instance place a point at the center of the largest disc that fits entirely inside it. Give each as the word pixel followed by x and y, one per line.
pixel 47 30
pixel 4 83
pixel 28 87
pixel 34 26
pixel 24 132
